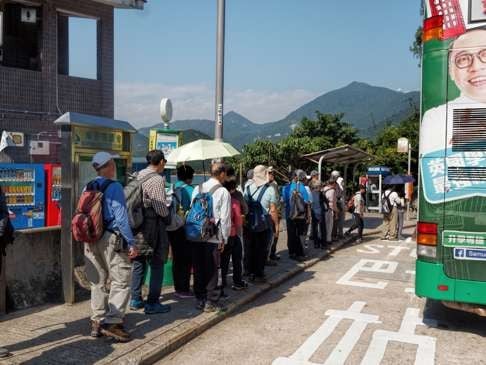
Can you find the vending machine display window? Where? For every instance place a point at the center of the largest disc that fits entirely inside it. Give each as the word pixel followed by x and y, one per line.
pixel 24 188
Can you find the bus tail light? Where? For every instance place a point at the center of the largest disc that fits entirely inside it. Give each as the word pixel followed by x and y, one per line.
pixel 427 234
pixel 433 28
pixel 427 251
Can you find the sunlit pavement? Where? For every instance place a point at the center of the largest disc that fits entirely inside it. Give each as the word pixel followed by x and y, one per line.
pixel 356 307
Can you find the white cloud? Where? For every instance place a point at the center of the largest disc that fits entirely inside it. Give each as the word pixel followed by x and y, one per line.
pixel 139 102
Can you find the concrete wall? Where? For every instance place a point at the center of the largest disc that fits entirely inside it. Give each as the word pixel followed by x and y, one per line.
pixel 33 271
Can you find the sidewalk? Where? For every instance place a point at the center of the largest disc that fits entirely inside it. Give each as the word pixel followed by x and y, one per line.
pixel 59 334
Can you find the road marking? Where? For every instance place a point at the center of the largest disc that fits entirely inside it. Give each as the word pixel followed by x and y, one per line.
pixel 397 249
pixel 366 265
pixel 406 334
pixel 341 352
pixel 370 248
pixel 410 290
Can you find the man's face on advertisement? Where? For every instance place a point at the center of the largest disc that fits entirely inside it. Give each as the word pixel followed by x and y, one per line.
pixel 466 66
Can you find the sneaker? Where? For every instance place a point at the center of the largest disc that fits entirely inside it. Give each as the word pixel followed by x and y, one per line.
pixel 115 331
pixel 200 304
pixel 95 329
pixel 271 263
pixel 4 352
pixel 275 257
pixel 240 286
pixel 156 308
pixel 136 304
pixel 183 294
pixel 214 307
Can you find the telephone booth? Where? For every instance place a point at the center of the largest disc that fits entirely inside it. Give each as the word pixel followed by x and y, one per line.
pixel 374 186
pixel 82 136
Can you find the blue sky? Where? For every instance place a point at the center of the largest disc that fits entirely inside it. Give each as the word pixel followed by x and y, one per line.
pixel 279 54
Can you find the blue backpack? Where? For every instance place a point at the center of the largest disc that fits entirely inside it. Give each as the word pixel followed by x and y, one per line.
pixel 258 218
pixel 200 225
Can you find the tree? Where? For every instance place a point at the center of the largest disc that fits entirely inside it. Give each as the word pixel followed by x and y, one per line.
pixel 416 47
pixel 385 145
pixel 311 135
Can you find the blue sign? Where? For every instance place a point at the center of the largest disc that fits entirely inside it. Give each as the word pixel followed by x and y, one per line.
pixel 379 170
pixel 469 254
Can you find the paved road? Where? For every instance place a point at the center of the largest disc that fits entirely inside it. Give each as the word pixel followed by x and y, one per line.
pixel 357 307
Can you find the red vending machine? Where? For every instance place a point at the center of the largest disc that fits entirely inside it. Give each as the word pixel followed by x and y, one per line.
pixel 53 194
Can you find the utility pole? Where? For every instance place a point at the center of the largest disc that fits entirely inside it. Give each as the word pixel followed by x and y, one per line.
pixel 218 131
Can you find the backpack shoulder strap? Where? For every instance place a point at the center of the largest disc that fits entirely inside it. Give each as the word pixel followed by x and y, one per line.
pixel 105 185
pixel 260 196
pixel 148 177
pixel 214 188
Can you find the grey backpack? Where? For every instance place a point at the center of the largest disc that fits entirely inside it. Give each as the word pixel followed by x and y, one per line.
pixel 134 199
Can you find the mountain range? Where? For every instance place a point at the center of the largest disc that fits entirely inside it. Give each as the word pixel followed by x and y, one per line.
pixel 368 108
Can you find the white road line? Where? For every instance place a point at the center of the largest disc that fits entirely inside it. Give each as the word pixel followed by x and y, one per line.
pixel 396 250
pixel 426 345
pixel 345 345
pixel 366 265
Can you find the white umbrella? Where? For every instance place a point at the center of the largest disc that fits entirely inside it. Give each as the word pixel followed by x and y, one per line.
pixel 201 150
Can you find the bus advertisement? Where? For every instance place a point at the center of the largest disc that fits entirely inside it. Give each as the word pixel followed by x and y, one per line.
pixel 451 231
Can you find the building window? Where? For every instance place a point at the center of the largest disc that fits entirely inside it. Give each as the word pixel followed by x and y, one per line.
pixel 77 46
pixel 20 36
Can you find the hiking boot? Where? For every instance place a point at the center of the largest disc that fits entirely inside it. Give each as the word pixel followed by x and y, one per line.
pixel 156 308
pixel 115 331
pixel 214 307
pixel 200 305
pixel 95 329
pixel 4 352
pixel 240 286
pixel 136 304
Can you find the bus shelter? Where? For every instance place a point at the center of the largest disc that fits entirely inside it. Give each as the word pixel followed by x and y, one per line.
pixel 340 156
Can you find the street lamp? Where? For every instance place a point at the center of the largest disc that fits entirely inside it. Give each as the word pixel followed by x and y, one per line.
pixel 218 131
pixel 403 146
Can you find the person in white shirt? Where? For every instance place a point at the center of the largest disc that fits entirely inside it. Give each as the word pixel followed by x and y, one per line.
pixel 207 254
pixel 390 220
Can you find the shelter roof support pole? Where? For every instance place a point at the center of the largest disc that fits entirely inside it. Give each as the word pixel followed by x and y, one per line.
pixel 345 177
pixel 320 167
pixel 354 174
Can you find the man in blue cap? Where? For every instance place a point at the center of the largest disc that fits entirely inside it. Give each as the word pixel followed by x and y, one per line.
pixel 109 258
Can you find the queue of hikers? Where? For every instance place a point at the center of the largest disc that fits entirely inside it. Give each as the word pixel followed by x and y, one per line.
pixel 128 230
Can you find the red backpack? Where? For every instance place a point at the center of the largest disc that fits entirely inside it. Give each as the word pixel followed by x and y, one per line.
pixel 87 223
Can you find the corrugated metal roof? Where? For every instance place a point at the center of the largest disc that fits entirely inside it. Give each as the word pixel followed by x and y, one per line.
pixel 86 120
pixel 124 4
pixel 340 155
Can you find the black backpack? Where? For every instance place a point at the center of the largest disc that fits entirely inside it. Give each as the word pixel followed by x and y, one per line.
pixel 386 207
pixel 298 209
pixel 258 219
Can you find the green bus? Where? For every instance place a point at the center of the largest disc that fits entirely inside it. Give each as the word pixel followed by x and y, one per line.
pixel 451 229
